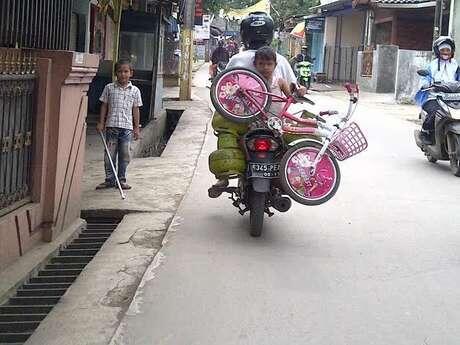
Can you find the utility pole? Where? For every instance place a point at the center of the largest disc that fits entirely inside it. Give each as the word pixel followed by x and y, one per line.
pixel 185 91
pixel 438 19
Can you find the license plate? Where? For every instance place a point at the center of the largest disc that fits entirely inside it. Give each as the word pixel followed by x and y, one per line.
pixel 265 170
pixel 451 97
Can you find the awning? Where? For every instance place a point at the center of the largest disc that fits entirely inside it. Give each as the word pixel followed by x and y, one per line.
pixel 261 6
pixel 314 16
pixel 333 6
pixel 411 4
pixel 299 30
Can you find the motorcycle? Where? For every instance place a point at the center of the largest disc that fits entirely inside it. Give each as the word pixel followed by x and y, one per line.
pixel 447 125
pixel 259 187
pixel 303 69
pixel 217 69
pixel 284 156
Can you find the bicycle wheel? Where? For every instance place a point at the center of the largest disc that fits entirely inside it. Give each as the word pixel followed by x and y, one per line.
pixel 231 103
pixel 295 174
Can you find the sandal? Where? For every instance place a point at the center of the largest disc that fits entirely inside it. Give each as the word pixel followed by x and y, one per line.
pixel 105 185
pixel 125 186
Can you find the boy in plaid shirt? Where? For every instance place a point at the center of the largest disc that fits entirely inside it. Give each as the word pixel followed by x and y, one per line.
pixel 119 117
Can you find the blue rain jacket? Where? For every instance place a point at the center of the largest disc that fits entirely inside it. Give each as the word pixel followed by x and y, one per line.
pixel 436 69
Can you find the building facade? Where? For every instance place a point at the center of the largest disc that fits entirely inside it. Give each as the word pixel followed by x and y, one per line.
pixel 381 43
pixel 454 19
pixel 43 101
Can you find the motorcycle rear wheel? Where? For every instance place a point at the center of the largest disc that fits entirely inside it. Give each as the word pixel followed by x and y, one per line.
pixel 256 212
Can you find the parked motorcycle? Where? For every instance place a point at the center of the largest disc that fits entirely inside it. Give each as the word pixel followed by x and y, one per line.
pixel 447 125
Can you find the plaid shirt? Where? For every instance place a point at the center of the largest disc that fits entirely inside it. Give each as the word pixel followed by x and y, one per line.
pixel 120 104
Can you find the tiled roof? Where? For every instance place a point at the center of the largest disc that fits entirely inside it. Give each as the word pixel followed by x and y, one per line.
pixel 400 2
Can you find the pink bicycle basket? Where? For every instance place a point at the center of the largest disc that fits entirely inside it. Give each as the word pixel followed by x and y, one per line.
pixel 349 142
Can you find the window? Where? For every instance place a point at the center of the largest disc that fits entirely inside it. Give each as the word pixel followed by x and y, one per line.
pixel 138 47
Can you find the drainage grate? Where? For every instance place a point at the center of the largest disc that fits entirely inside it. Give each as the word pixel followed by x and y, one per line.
pixel 22 314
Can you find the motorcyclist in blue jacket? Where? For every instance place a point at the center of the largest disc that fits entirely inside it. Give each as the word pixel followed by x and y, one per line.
pixel 443 69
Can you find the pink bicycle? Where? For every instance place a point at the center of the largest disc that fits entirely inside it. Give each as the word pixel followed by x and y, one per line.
pixel 310 173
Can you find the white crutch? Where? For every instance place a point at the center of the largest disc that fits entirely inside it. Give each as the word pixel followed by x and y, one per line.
pixel 123 196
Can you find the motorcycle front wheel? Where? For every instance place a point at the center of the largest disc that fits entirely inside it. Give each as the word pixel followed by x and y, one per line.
pixel 430 158
pixel 256 212
pixel 454 159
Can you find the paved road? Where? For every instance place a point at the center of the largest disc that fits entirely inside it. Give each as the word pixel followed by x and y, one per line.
pixel 378 264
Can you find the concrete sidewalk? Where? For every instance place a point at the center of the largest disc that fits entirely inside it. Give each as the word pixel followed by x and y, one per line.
pixel 90 311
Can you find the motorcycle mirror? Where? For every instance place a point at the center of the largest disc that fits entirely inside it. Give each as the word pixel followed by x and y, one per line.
pixel 423 72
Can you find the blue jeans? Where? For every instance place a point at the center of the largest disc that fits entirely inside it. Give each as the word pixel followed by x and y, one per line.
pixel 118 142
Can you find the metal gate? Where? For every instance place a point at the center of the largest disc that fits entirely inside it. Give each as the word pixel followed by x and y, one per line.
pixel 340 63
pixel 17 110
pixel 41 24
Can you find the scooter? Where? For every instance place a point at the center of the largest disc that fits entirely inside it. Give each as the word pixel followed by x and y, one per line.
pixel 447 124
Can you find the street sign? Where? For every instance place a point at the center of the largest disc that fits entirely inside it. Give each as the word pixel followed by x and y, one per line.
pixel 315 25
pixel 198 12
pixel 203 32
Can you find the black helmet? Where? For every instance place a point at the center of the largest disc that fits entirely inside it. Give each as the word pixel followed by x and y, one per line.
pixel 443 40
pixel 257 30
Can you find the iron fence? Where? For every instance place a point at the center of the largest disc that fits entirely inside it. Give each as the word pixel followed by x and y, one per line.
pixel 17 109
pixel 340 63
pixel 43 24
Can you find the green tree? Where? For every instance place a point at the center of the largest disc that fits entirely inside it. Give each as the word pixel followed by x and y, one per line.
pixel 214 6
pixel 288 8
pixel 282 9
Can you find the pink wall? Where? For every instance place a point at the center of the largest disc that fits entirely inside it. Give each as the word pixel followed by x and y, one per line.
pixel 58 156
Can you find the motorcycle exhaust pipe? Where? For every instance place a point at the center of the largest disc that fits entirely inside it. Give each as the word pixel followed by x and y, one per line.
pixel 282 204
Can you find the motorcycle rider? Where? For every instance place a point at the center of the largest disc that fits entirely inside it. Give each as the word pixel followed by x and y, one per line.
pixel 302 56
pixel 443 69
pixel 220 54
pixel 256 31
pixel 303 67
pixel 305 56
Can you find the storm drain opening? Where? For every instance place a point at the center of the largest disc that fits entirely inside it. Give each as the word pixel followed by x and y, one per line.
pixel 172 119
pixel 22 313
